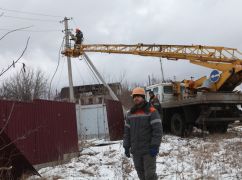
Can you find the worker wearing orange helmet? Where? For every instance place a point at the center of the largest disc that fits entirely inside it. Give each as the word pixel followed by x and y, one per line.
pixel 142 135
pixel 79 36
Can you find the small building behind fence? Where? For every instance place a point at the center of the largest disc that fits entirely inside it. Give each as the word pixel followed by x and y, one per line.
pixel 90 94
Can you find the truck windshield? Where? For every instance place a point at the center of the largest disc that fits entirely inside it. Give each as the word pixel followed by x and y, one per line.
pixel 168 90
pixel 155 90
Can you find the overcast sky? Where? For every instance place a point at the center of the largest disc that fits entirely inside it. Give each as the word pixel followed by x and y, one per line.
pixel 203 22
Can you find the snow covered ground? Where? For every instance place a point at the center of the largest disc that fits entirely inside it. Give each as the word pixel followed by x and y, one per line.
pixel 199 157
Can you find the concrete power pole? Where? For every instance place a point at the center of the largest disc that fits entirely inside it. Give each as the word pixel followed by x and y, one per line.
pixel 67 45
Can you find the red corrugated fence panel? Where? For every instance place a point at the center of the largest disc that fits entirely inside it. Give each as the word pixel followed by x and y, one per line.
pixel 42 130
pixel 115 119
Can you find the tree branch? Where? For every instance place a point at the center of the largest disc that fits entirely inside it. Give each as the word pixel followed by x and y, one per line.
pixel 24 136
pixel 59 53
pixel 5 168
pixel 19 29
pixel 14 62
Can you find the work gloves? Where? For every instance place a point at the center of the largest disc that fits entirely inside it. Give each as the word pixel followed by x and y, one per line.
pixel 127 152
pixel 154 151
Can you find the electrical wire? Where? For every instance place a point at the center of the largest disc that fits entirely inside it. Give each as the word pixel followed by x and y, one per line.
pixel 11 31
pixel 44 30
pixel 59 57
pixel 30 19
pixel 14 62
pixel 30 13
pixel 60 74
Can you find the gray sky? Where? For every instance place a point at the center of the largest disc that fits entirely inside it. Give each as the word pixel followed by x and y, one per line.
pixel 204 22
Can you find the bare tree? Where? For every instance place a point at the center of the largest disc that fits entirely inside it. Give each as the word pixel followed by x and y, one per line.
pixel 125 96
pixel 25 86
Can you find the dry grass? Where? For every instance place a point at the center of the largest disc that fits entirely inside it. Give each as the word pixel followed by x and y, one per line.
pixel 91 164
pixel 230 156
pixel 127 167
pixel 110 163
pixel 83 144
pixel 162 154
pixel 89 154
pixel 219 137
pixel 83 171
pixel 55 177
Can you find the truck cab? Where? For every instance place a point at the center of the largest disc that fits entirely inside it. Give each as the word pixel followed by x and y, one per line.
pixel 165 92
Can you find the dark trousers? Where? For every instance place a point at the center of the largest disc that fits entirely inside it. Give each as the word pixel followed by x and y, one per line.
pixel 145 166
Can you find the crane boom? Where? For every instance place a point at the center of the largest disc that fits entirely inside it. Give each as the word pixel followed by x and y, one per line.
pixel 173 52
pixel 227 60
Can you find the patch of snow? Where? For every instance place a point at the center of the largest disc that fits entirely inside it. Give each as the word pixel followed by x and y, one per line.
pixel 179 158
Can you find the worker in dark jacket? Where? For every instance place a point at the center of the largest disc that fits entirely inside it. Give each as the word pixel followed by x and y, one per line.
pixel 79 36
pixel 154 101
pixel 142 135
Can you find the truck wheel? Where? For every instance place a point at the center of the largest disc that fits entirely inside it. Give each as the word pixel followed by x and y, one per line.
pixel 177 125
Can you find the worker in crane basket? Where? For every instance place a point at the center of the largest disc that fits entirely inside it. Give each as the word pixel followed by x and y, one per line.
pixel 142 135
pixel 154 101
pixel 78 38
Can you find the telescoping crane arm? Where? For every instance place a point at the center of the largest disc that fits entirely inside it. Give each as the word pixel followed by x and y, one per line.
pixel 223 59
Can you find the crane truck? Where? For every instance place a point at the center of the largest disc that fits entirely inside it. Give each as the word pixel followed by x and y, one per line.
pixel 208 102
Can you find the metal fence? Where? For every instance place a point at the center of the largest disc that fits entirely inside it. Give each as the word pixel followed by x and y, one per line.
pixel 43 131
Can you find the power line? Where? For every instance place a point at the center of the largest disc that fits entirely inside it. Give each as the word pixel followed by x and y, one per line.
pixel 29 19
pixel 31 13
pixel 59 53
pixel 14 31
pixel 61 65
pixel 14 62
pixel 44 30
pixel 58 81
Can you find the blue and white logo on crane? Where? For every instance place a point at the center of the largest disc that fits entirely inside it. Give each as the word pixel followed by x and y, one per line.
pixel 214 76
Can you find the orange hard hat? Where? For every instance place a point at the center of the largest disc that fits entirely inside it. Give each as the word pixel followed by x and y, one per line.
pixel 138 91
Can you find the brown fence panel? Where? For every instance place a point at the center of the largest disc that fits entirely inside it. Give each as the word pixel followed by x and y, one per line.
pixel 115 119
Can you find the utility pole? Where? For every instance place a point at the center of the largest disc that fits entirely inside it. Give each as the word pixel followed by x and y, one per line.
pixel 68 45
pixel 162 72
